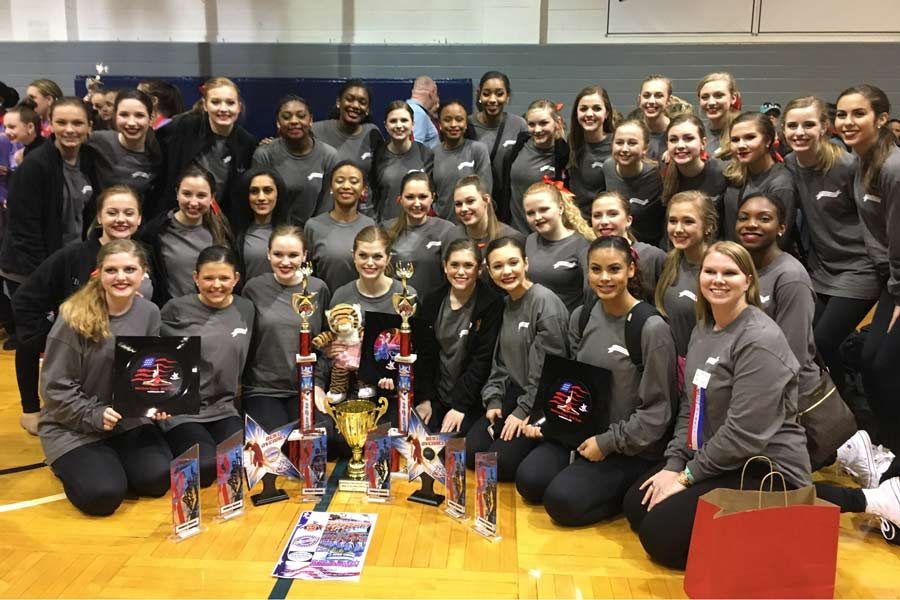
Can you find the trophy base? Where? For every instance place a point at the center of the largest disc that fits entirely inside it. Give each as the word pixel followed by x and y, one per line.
pixel 353 485
pixel 426 494
pixel 269 493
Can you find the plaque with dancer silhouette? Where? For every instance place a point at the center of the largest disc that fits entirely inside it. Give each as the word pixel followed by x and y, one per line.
pixel 574 397
pixel 156 374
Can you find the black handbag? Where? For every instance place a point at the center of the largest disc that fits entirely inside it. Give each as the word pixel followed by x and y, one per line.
pixel 827 420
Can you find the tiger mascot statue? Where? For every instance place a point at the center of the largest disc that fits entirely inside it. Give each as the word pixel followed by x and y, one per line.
pixel 345 322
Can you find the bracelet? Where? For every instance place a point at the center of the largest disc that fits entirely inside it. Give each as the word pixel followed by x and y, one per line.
pixel 683 479
pixel 688 474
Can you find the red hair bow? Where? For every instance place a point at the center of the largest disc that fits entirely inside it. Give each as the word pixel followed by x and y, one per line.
pixel 215 207
pixel 566 192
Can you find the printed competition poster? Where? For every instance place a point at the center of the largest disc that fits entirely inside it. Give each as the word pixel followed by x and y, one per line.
pixel 327 546
pixel 229 476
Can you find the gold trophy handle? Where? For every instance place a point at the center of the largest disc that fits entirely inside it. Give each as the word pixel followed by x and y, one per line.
pixel 381 408
pixel 329 410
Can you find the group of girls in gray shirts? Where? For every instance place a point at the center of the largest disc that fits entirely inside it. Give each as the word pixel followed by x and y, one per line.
pixel 753 268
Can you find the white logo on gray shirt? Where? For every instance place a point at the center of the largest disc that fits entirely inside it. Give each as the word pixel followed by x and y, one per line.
pixel 433 244
pixel 565 264
pixel 523 325
pixel 87 189
pixel 764 299
pixel 463 332
pixel 140 174
pixel 548 168
pixel 312 176
pixel 827 194
pixel 365 155
pixel 688 294
pixel 464 164
pixel 509 143
pixel 617 348
pixel 639 201
pixel 712 361
pixel 596 165
pixel 239 331
pixel 871 198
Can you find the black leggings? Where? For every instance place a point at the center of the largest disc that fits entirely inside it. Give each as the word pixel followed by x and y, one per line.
pixel 207 435
pixel 97 477
pixel 881 373
pixel 28 363
pixel 665 531
pixel 835 319
pixel 509 454
pixel 271 413
pixel 580 493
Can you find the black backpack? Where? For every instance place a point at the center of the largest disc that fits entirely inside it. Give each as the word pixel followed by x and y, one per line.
pixel 634 326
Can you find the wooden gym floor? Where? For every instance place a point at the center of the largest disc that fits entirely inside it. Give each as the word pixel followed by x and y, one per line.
pixel 50 550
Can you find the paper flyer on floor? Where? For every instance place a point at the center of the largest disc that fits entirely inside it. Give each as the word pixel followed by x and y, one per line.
pixel 327 545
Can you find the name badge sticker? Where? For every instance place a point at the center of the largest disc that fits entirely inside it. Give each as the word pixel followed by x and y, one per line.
pixel 701 378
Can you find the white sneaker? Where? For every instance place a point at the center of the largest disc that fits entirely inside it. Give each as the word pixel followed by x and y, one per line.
pixel 884 501
pixel 862 461
pixel 335 397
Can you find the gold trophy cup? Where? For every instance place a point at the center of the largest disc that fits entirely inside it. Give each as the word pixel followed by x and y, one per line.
pixel 355 419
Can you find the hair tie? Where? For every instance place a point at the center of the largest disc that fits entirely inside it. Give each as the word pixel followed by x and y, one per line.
pixel 738 103
pixel 634 257
pixel 215 207
pixel 559 106
pixel 202 89
pixel 704 155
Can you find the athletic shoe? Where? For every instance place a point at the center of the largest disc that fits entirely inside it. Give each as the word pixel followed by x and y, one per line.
pixel 862 461
pixel 884 501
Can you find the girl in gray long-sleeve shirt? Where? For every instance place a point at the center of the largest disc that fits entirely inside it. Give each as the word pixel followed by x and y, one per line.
pixel 329 237
pixel 395 158
pixel 270 383
pixel 611 216
pixel 456 157
pixel 95 453
pixel 638 180
pixel 492 125
pixel 302 161
pixel 843 275
pixel 691 225
pixel 534 325
pixel 419 239
pixel 785 290
pixel 741 403
pixel 557 248
pixel 640 402
pixel 590 144
pixel 753 171
pixel 225 323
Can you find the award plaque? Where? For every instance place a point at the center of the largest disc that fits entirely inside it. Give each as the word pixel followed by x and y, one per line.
pixel 574 396
pixel 486 495
pixel 229 476
pixel 264 460
pixel 455 477
pixel 156 374
pixel 378 466
pixel 184 479
pixel 424 454
pixel 313 461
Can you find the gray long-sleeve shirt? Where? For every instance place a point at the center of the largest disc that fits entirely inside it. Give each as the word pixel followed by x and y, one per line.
pixel 77 381
pixel 650 263
pixel 880 215
pixel 533 326
pixel 711 181
pixel 180 245
pixel 749 376
pixel 117 165
pixel 644 195
pixel 272 371
pixel 515 125
pixel 304 176
pixel 330 246
pixel 389 173
pixel 530 166
pixel 469 158
pixel 776 182
pixel 560 265
pixel 255 251
pixel 350 294
pixel 224 345
pixel 680 302
pixel 586 178
pixel 357 148
pixel 839 264
pixel 640 403
pixel 788 298
pixel 423 245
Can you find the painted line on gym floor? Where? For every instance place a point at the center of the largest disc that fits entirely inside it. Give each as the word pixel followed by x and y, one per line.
pixel 29 503
pixel 283 586
pixel 30 467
